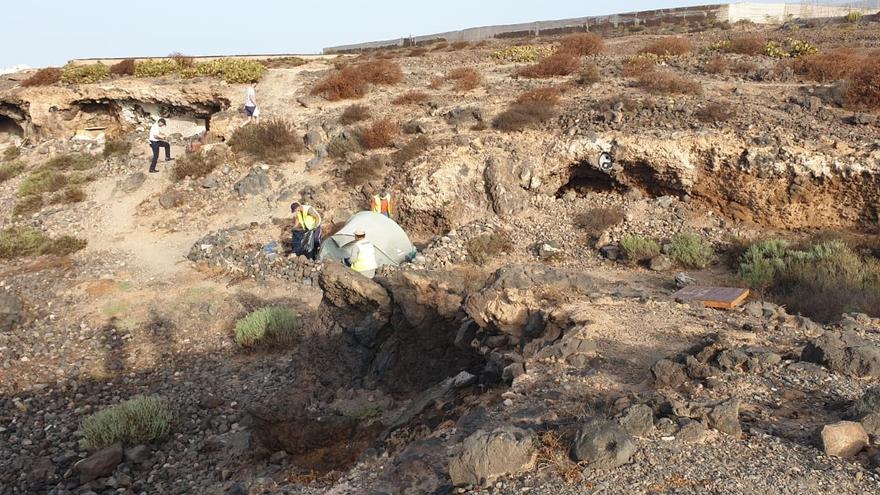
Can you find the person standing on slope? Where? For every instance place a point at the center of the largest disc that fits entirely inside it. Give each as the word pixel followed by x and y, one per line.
pixel 158 139
pixel 250 102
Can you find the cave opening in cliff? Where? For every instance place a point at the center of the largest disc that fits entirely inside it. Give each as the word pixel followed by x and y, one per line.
pixel 9 129
pixel 584 179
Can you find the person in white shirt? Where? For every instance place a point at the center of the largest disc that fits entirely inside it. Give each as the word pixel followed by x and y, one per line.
pixel 158 139
pixel 250 101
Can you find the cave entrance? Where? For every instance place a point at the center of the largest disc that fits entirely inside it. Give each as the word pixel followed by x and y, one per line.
pixel 584 179
pixel 10 130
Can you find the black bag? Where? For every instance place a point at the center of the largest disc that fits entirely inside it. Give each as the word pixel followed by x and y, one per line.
pixel 304 243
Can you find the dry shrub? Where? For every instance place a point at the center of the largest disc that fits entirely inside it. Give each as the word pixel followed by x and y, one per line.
pixel 28 205
pixel 664 82
pixel 636 66
pixel 465 78
pixel 343 144
pixel 436 82
pixel 460 45
pixel 715 112
pixel 581 44
pixel 549 95
pixel 598 220
pixel 717 65
pixel 272 140
pixel 828 67
pixel 123 67
pixel 354 113
pixel 351 81
pixel 440 46
pixel 411 150
pixel 182 61
pixel 524 115
pixel 365 170
pixel 411 98
pixel 747 44
pixel 558 64
pixel 669 47
pixel 43 77
pixel 195 165
pixel 553 454
pixel 483 248
pixel 589 75
pixel 284 62
pixel 70 194
pixel 417 52
pixel 863 91
pixel 380 134
pixel 10 170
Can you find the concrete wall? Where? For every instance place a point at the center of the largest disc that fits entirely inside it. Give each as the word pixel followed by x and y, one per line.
pixel 758 13
pixel 207 58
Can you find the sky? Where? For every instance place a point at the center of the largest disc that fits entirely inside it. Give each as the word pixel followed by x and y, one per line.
pixel 51 32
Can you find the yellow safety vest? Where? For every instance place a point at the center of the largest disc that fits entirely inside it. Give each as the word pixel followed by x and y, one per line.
pixel 366 258
pixel 306 221
pixel 382 204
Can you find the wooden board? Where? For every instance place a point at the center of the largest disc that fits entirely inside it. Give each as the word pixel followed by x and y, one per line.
pixel 713 297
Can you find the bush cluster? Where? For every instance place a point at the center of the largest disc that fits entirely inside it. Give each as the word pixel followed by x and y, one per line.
pixel 43 77
pixel 483 248
pixel 521 53
pixel 411 98
pixel 380 134
pixel 821 280
pixel 16 242
pixel 352 81
pixel 465 78
pixel 639 248
pixel 230 70
pixel 557 64
pixel 118 147
pixel 715 112
pixel 669 47
pixel 123 68
pixel 155 68
pixel 665 82
pixel 520 116
pixel 270 140
pixel 549 95
pixel 354 113
pixel 581 44
pixel 196 165
pixel 589 75
pixel 691 251
pixel 10 170
pixel 84 74
pixel 266 326
pixel 136 421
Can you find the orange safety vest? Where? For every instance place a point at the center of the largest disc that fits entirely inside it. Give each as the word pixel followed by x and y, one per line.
pixel 382 205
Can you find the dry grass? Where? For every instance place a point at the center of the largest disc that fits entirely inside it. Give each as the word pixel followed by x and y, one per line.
pixel 272 140
pixel 182 61
pixel 354 113
pixel 863 91
pixel 342 145
pixel 440 46
pixel 365 170
pixel 589 75
pixel 743 67
pixel 715 112
pixel 558 64
pixel 460 45
pixel 411 98
pixel 664 82
pixel 465 78
pixel 828 67
pixel 380 134
pixel 16 242
pixel 10 170
pixel 670 47
pixel 637 66
pixel 351 81
pixel 417 52
pixel 70 194
pixel 747 44
pixel 43 77
pixel 195 165
pixel 483 248
pixel 284 62
pixel 598 220
pixel 521 116
pixel 581 44
pixel 717 65
pixel 549 95
pixel 553 455
pixel 123 68
pixel 411 150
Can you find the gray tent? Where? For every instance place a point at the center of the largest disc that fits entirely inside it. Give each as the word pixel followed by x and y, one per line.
pixel 392 244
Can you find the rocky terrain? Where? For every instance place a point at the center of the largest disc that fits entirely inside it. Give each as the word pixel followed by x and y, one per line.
pixel 550 365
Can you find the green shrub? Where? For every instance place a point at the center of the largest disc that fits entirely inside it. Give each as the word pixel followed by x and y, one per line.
pixel 42 180
pixel 195 165
pixel 273 140
pixel 10 170
pixel 155 68
pixel 11 153
pixel 854 17
pixel 231 70
pixel 691 251
pixel 639 248
pixel 483 248
pixel 26 241
pixel 762 261
pixel 272 324
pixel 84 74
pixel 136 421
pixel 116 147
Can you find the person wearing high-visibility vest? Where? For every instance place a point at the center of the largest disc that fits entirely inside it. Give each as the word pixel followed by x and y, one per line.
pixel 363 255
pixel 382 204
pixel 307 222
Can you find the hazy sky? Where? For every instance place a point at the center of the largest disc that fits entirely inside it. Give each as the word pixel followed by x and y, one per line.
pixel 50 32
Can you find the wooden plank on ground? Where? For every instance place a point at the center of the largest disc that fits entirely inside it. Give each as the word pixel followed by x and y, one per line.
pixel 713 297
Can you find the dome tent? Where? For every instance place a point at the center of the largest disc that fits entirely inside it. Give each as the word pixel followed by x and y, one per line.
pixel 392 244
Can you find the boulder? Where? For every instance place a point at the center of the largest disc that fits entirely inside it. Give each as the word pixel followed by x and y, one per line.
pixel 463 115
pixel 844 352
pixel 254 183
pixel 638 420
pixel 313 139
pixel 611 252
pixel 691 432
pixel 425 298
pixel 11 312
pixel 603 444
pixel 506 196
pixel 171 199
pixel 868 403
pixel 100 464
pixel 548 251
pixel 138 454
pixel 131 183
pixel 682 280
pixel 668 373
pixel 724 417
pixel 843 439
pixel 661 263
pixel 871 424
pixel 487 455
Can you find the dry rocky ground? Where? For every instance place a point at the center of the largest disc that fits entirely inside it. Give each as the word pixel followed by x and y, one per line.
pixel 444 375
